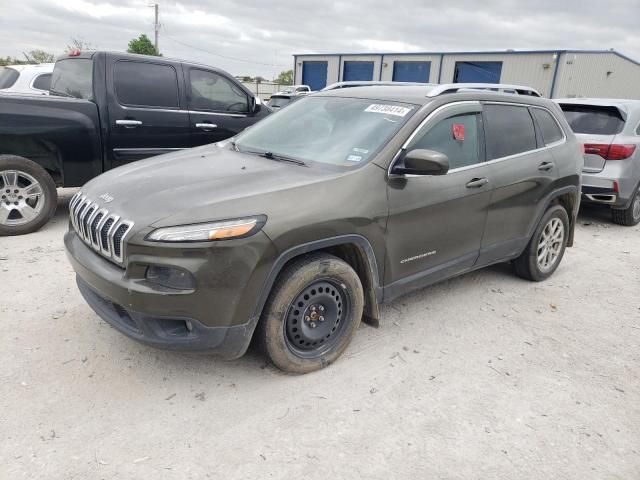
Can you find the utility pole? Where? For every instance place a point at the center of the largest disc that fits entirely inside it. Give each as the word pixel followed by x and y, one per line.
pixel 156 26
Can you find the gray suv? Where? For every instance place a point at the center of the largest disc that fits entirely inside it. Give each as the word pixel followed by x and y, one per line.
pixel 299 227
pixel 610 132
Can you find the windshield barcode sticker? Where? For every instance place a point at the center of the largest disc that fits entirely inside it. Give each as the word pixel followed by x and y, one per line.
pixel 388 109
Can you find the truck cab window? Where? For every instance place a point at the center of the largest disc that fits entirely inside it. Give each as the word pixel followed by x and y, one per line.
pixel 210 91
pixel 146 84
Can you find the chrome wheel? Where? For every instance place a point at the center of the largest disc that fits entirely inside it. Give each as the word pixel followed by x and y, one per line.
pixel 550 245
pixel 21 198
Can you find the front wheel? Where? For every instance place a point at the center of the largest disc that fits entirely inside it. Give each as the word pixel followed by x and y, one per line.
pixel 28 196
pixel 312 314
pixel 546 247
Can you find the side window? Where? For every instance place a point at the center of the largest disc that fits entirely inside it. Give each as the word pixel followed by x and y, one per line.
pixel 42 82
pixel 145 84
pixel 210 91
pixel 509 131
pixel 456 137
pixel 549 128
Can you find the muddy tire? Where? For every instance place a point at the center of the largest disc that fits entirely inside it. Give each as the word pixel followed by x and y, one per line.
pixel 313 312
pixel 546 247
pixel 28 196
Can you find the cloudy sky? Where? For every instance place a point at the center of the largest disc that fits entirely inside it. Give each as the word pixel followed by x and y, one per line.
pixel 257 37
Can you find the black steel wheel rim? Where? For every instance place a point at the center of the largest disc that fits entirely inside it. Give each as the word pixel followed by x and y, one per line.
pixel 315 320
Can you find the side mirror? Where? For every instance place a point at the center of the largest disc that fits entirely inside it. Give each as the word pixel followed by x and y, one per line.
pixel 256 104
pixel 422 162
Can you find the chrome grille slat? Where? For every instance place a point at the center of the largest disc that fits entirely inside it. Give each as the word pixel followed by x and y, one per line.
pixel 100 229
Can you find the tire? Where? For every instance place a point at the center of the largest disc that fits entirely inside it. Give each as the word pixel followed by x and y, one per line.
pixel 528 265
pixel 28 196
pixel 293 332
pixel 630 216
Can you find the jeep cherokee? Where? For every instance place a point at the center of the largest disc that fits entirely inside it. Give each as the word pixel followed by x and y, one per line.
pixel 300 226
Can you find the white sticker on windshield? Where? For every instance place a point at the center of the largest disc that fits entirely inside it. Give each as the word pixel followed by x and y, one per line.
pixel 396 110
pixel 354 158
pixel 360 150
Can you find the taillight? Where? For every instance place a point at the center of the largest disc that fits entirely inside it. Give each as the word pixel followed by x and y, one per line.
pixel 620 152
pixel 610 152
pixel 582 149
pixel 74 53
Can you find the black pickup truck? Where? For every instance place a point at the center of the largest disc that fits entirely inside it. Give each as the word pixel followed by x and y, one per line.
pixel 105 110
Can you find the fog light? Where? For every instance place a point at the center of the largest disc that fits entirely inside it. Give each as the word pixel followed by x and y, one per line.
pixel 170 277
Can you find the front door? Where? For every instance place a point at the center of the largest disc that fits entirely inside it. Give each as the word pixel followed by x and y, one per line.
pixel 218 107
pixel 145 114
pixel 436 223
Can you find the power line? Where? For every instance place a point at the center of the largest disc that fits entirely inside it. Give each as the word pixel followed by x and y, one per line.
pixel 223 56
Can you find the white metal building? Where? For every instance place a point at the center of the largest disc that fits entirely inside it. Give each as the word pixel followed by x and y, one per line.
pixel 554 73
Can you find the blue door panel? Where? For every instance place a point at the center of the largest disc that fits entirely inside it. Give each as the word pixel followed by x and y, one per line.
pixel 477 72
pixel 357 71
pixel 411 71
pixel 314 74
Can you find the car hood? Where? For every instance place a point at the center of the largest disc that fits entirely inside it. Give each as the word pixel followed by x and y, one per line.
pixel 197 185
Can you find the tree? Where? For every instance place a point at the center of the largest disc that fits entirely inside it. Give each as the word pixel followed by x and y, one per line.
pixel 259 80
pixel 79 44
pixel 11 61
pixel 285 77
pixel 143 46
pixel 40 56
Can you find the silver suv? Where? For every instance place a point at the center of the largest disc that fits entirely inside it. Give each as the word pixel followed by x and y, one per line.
pixel 610 132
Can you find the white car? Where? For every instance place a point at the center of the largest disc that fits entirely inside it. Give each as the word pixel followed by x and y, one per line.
pixel 295 90
pixel 34 79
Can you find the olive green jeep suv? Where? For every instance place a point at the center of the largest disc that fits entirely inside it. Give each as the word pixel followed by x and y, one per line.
pixel 296 229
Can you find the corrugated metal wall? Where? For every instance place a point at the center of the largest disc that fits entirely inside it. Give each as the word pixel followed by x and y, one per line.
pixel 579 74
pixel 586 75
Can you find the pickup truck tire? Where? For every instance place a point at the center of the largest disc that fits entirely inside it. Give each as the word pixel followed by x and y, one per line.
pixel 630 216
pixel 313 312
pixel 546 247
pixel 28 196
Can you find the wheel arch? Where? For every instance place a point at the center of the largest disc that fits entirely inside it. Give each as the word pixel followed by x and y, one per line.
pixel 356 250
pixel 42 152
pixel 569 198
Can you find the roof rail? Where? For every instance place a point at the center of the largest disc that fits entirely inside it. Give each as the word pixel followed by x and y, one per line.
pixel 498 87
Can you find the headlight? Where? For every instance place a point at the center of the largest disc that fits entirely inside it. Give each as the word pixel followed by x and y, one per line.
pixel 204 232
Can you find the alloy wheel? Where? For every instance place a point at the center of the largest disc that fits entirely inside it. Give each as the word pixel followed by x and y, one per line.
pixel 550 245
pixel 21 198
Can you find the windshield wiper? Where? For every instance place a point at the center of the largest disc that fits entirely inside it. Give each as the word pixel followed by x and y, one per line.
pixel 273 156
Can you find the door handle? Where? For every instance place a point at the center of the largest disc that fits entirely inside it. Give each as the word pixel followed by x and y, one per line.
pixel 478 182
pixel 206 126
pixel 129 123
pixel 546 166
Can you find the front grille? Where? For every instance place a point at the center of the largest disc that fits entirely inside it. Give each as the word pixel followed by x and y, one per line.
pixel 99 228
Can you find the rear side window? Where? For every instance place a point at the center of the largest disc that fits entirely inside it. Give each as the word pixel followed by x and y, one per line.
pixel 210 91
pixel 42 82
pixel 456 137
pixel 146 84
pixel 8 77
pixel 73 78
pixel 509 131
pixel 593 119
pixel 549 128
pixel 279 101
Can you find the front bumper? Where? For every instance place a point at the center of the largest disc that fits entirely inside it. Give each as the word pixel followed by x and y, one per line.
pixel 217 316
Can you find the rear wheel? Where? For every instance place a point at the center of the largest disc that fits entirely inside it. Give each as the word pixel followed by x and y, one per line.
pixel 312 314
pixel 28 196
pixel 629 216
pixel 546 247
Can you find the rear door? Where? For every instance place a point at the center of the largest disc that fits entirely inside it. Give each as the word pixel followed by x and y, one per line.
pixel 596 126
pixel 436 223
pixel 147 115
pixel 523 170
pixel 219 107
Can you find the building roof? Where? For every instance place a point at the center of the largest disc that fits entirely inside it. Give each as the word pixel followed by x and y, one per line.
pixel 487 52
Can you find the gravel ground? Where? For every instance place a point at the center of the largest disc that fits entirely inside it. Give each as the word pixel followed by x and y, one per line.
pixel 484 376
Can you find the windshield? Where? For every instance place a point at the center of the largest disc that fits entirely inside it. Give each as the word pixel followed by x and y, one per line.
pixel 279 101
pixel 593 119
pixel 73 78
pixel 8 77
pixel 333 130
